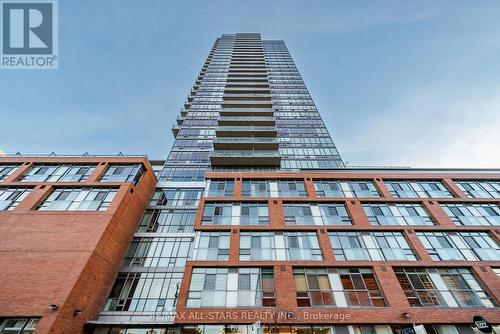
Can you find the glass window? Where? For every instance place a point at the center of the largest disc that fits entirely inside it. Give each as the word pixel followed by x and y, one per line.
pixel 302 246
pixel 123 173
pixel 460 246
pixel 18 325
pixel 291 188
pixel 371 246
pixel 11 197
pixel 449 287
pixel 167 221
pixel 7 170
pixel 159 252
pixel 473 214
pixel 345 188
pixel 337 287
pixel 220 188
pixel 329 214
pixel 278 246
pixel 480 188
pixel 231 287
pixel 389 214
pixel 211 246
pixel 227 213
pixel 274 188
pixel 417 189
pixel 176 197
pixel 79 199
pixel 144 292
pixel 57 173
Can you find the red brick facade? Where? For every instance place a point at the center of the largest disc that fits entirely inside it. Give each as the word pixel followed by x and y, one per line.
pixel 398 310
pixel 66 258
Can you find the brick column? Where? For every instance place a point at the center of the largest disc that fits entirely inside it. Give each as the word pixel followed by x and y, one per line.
pixel 393 293
pixel 416 245
pixel 285 288
pixel 18 172
pixel 238 184
pixel 437 213
pixel 489 279
pixel 98 172
pixel 33 198
pixel 357 213
pixel 379 184
pixel 311 192
pixel 276 214
pixel 450 185
pixel 234 246
pixel 326 247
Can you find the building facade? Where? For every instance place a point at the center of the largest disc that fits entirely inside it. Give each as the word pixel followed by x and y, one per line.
pixel 256 226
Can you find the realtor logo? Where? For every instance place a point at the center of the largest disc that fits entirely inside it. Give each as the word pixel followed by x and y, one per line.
pixel 29 35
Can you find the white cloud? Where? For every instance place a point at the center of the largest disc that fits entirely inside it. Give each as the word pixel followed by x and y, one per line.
pixel 434 130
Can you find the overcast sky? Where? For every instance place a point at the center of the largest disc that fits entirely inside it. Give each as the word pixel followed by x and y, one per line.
pixel 397 82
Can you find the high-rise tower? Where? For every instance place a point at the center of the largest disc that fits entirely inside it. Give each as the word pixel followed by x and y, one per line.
pixel 254 226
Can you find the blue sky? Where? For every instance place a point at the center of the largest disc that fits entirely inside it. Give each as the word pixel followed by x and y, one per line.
pixel 397 82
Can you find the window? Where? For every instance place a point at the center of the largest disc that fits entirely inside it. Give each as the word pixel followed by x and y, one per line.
pixel 123 173
pixel 388 214
pixel 480 188
pixel 274 188
pixel 79 199
pixel 58 173
pixel 158 252
pixel 167 221
pixel 182 174
pixel 291 188
pixel 460 246
pixel 255 188
pixel 18 325
pixel 7 170
pixel 345 188
pixel 211 246
pixel 449 287
pixel 144 292
pixel 260 246
pixel 473 214
pixel 418 189
pixel 227 213
pixel 337 287
pixel 278 246
pixel 330 214
pixel 231 287
pixel 176 197
pixel 11 197
pixel 374 246
pixel 302 246
pixel 220 188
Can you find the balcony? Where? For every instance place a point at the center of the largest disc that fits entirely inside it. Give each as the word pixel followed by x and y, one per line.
pixel 247 112
pixel 246 131
pixel 245 143
pixel 175 130
pixel 246 103
pixel 241 121
pixel 247 79
pixel 246 85
pixel 247 96
pixel 245 157
pixel 244 90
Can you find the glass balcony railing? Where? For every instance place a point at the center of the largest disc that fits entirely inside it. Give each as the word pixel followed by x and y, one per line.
pixel 263 140
pixel 245 153
pixel 246 128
